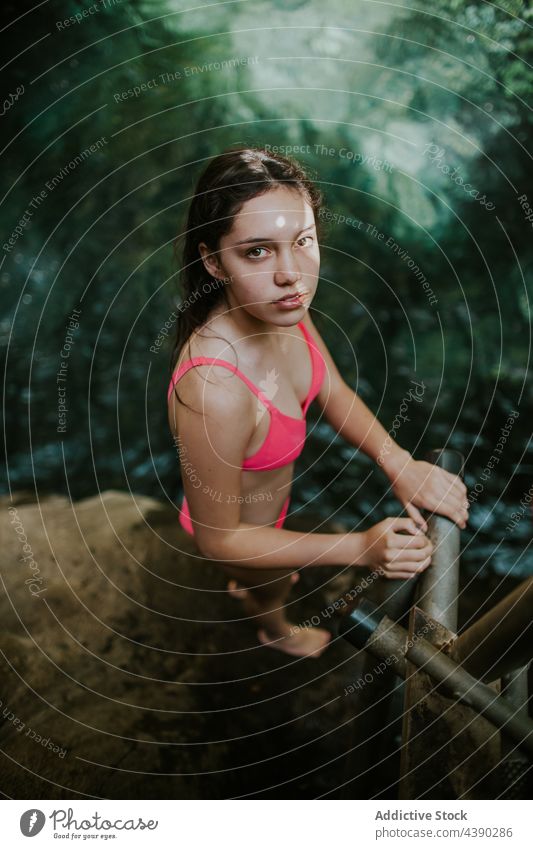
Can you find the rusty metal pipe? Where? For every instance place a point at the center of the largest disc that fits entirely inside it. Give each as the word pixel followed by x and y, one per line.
pixel 438 586
pixel 366 628
pixel 501 640
pixel 514 766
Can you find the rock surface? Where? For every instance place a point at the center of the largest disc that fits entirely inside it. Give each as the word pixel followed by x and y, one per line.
pixel 129 672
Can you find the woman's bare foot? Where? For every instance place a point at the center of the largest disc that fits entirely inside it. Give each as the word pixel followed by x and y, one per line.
pixel 305 642
pixel 236 590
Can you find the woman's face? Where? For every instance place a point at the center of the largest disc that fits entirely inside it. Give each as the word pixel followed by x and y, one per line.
pixel 270 256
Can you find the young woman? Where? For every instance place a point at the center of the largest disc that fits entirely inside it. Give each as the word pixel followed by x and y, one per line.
pixel 248 361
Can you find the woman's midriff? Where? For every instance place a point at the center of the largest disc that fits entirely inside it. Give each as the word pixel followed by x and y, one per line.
pixel 263 500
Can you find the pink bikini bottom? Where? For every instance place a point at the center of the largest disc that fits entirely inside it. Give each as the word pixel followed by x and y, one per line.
pixel 186 524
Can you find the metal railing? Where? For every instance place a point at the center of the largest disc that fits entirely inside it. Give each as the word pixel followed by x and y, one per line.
pixel 459 733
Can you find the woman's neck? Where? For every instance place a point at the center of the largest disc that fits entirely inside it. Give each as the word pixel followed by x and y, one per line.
pixel 244 324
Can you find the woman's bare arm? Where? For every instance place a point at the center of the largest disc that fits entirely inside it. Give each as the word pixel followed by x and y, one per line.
pixel 349 415
pixel 416 484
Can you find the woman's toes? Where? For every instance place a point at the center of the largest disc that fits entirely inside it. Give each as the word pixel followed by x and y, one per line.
pixel 236 591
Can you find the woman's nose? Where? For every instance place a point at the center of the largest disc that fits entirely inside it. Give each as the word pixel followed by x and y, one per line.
pixel 287 270
pixel 285 275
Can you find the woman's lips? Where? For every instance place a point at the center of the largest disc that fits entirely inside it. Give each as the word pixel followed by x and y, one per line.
pixel 290 301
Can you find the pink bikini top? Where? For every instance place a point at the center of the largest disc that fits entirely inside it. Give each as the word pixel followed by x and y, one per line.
pixel 285 439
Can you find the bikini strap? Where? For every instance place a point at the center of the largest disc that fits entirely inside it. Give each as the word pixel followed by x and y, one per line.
pixel 204 361
pixel 317 363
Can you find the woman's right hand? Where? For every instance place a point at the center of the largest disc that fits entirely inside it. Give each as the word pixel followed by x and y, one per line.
pixel 396 548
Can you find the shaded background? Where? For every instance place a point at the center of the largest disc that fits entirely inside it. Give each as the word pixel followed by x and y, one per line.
pixel 365 88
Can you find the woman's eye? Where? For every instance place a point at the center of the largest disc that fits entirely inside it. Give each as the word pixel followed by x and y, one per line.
pixel 254 253
pixel 304 239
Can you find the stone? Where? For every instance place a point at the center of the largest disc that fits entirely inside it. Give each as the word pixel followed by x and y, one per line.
pixel 127 671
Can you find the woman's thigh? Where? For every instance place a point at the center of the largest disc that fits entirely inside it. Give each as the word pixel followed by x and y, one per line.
pixel 264 582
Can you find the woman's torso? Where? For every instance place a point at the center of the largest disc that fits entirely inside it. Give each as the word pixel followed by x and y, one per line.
pixel 284 369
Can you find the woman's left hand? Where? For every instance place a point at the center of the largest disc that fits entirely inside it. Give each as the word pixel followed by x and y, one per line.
pixel 417 484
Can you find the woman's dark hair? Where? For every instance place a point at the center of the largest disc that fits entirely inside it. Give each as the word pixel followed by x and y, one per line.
pixel 229 180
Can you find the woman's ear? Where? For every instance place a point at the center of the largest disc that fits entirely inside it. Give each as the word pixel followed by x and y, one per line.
pixel 210 261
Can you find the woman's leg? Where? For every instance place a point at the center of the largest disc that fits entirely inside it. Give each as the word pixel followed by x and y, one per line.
pixel 266 592
pixel 237 590
pixel 268 586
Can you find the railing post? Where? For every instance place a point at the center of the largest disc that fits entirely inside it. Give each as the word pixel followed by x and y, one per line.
pixel 366 628
pixel 371 735
pixel 515 768
pixel 438 586
pixel 437 594
pixel 450 748
pixel 370 738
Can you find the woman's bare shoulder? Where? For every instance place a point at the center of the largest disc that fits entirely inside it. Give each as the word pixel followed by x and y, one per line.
pixel 214 340
pixel 212 387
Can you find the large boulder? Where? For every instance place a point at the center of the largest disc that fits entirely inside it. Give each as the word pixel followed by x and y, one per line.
pixel 129 672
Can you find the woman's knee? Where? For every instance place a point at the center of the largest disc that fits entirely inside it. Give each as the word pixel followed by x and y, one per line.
pixel 259 578
pixel 267 589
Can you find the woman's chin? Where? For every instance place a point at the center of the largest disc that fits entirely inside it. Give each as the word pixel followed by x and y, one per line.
pixel 288 318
